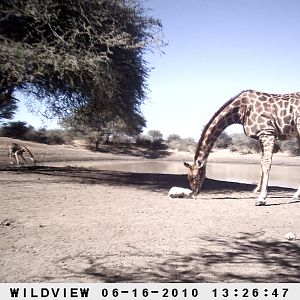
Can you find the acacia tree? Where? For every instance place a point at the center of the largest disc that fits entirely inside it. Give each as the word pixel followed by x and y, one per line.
pixel 155 135
pixel 74 54
pixel 15 129
pixel 99 126
pixel 8 106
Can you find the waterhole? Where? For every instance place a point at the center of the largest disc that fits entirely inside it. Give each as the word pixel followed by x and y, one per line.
pixel 284 176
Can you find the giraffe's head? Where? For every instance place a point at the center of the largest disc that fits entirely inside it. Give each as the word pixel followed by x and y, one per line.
pixel 196 175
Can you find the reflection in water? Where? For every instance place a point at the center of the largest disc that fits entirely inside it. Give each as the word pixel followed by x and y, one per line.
pixel 284 176
pixel 161 167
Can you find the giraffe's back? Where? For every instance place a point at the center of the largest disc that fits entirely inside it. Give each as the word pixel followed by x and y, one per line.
pixel 271 114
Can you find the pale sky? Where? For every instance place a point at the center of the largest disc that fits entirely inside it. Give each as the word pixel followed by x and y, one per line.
pixel 217 48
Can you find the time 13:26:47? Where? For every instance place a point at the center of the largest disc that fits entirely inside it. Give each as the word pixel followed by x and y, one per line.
pixel 245 292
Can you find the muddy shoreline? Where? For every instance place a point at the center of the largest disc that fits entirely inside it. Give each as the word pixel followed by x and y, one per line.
pixel 69 224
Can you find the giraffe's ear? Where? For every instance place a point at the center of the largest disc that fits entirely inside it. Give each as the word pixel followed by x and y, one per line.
pixel 187 165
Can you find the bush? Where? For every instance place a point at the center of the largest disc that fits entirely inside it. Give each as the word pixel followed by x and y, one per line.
pixel 243 144
pixel 121 138
pixel 174 141
pixel 148 141
pixel 16 130
pixel 143 141
pixel 224 141
pixel 54 137
pixel 290 146
pixel 23 131
pixel 173 138
pixel 155 135
pixel 34 136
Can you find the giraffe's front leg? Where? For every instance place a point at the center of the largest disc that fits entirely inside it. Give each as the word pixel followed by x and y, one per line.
pixel 297 194
pixel 11 158
pixel 261 200
pixel 267 146
pixel 23 157
pixel 17 158
pixel 259 185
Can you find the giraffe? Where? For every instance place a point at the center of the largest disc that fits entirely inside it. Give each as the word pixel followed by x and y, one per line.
pixel 16 150
pixel 265 117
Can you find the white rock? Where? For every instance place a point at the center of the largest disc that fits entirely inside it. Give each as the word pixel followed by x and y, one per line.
pixel 178 192
pixel 290 236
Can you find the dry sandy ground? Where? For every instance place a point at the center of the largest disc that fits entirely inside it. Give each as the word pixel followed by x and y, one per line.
pixel 63 224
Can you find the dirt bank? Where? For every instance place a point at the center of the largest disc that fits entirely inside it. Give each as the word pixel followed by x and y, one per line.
pixel 64 224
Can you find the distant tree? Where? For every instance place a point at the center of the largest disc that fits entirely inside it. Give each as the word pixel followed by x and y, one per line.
pixel 173 138
pixel 99 126
pixel 76 53
pixel 8 107
pixel 174 141
pixel 16 130
pixel 155 135
pixel 292 146
pixel 223 141
pixel 243 144
pixel 190 141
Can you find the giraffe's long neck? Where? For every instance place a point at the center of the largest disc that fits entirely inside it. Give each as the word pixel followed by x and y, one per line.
pixel 228 114
pixel 28 151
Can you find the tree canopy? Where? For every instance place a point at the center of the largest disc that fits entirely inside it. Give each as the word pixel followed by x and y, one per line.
pixel 8 106
pixel 102 124
pixel 77 55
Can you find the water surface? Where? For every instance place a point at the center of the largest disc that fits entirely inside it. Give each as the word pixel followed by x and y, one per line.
pixel 284 176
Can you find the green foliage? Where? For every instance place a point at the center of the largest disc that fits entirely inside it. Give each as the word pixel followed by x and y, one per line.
pixel 15 130
pixel 74 54
pixel 143 141
pixel 99 126
pixel 243 144
pixel 153 140
pixel 290 146
pixel 56 137
pixel 174 141
pixel 155 135
pixel 223 141
pixel 8 106
pixel 23 131
pixel 173 138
